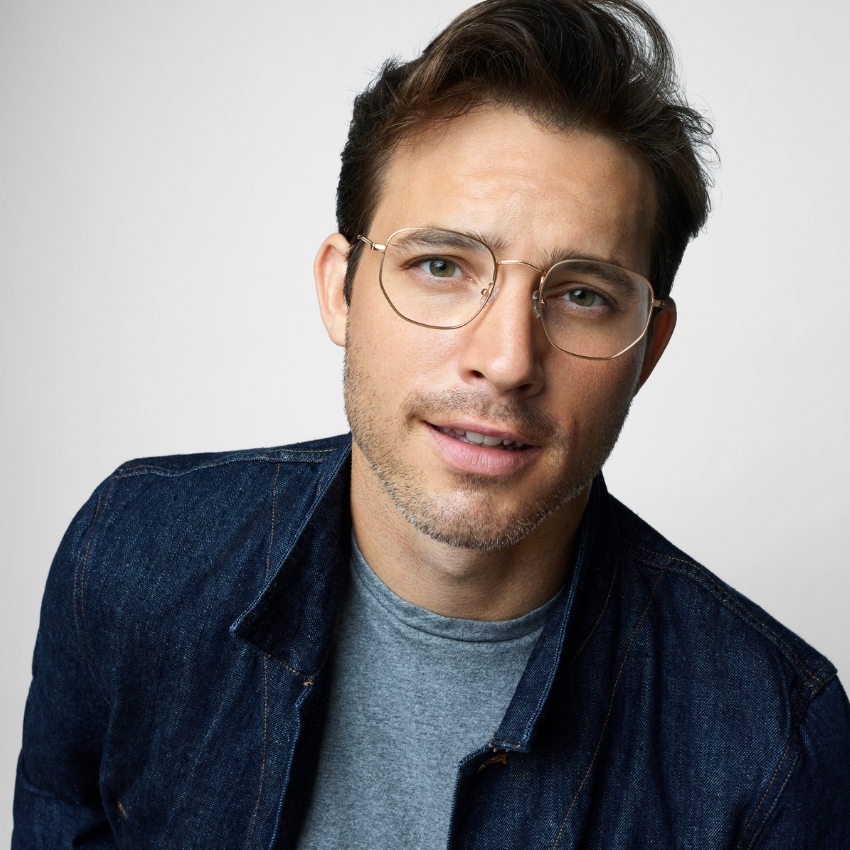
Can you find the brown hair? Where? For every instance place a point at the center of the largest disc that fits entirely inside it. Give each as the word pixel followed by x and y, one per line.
pixel 599 65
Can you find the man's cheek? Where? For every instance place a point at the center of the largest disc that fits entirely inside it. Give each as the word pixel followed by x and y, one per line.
pixel 592 404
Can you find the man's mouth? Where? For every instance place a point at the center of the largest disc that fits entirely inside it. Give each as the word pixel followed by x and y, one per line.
pixel 487 440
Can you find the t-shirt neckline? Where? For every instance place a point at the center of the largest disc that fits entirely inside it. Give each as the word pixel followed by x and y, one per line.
pixel 452 628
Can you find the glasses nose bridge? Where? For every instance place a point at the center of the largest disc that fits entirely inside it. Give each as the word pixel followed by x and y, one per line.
pixel 525 263
pixel 494 290
pixel 519 263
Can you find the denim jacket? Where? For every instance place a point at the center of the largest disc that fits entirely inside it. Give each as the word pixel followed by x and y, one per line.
pixel 180 680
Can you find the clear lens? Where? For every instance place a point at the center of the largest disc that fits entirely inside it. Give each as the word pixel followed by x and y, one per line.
pixel 442 279
pixel 437 277
pixel 594 309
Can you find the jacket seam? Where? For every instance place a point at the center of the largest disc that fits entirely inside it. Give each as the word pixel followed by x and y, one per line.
pixel 309 677
pixel 265 747
pixel 588 535
pixel 757 830
pixel 122 814
pixel 506 745
pixel 825 682
pixel 763 796
pixel 610 710
pixel 776 799
pixel 297 672
pixel 271 531
pixel 599 618
pixel 268 655
pixel 80 586
pixel 726 598
pixel 284 457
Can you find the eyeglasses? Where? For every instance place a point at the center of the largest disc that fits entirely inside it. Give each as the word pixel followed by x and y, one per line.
pixel 443 279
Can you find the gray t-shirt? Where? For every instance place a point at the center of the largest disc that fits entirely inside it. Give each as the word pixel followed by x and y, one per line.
pixel 412 693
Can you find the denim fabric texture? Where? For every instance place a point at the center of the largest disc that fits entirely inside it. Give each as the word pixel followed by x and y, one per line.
pixel 180 681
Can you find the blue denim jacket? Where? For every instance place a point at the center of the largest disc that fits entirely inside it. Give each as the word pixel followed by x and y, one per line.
pixel 179 682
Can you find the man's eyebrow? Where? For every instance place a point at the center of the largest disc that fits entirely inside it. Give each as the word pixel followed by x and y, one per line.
pixel 610 273
pixel 558 255
pixel 429 237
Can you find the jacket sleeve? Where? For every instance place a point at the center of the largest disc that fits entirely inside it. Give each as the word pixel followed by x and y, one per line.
pixel 57 801
pixel 813 812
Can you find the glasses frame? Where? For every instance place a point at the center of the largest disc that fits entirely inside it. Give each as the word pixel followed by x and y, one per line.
pixel 538 304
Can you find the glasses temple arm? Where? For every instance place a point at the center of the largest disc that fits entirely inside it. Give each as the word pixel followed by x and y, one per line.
pixel 373 245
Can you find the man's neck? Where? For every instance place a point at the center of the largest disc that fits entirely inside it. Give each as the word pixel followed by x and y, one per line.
pixel 473 584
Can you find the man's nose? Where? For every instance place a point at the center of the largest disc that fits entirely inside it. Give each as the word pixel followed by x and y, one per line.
pixel 505 344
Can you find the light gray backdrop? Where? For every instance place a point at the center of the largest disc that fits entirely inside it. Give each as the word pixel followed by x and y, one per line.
pixel 167 172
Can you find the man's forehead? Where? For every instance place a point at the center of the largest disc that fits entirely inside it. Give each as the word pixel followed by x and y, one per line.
pixel 496 173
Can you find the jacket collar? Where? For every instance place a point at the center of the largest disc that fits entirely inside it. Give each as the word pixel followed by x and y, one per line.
pixel 292 619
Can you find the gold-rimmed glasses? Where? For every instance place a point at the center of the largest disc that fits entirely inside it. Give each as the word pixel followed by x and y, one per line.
pixel 443 279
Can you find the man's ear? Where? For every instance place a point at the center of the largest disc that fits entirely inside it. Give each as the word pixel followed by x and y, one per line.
pixel 663 325
pixel 329 270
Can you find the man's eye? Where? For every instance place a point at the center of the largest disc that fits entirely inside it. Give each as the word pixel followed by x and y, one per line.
pixel 437 267
pixel 585 298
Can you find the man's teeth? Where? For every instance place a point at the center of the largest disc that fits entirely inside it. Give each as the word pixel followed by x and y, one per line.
pixel 481 439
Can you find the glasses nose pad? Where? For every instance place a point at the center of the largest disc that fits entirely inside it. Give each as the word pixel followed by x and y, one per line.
pixel 486 293
pixel 537 303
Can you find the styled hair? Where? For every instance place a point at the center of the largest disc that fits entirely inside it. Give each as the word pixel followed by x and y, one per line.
pixel 604 66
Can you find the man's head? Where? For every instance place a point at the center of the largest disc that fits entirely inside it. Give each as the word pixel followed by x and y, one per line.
pixel 530 126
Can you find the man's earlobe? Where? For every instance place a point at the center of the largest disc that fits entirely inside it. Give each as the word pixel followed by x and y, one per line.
pixel 663 325
pixel 329 269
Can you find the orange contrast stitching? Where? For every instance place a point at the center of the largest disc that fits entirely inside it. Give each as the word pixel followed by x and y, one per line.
pixel 505 745
pixel 300 673
pixel 271 534
pixel 790 771
pixel 815 674
pixel 268 569
pixel 764 796
pixel 123 814
pixel 610 709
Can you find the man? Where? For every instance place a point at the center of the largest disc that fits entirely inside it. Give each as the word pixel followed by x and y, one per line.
pixel 445 631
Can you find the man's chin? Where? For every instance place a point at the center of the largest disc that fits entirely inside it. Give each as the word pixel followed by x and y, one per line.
pixel 474 521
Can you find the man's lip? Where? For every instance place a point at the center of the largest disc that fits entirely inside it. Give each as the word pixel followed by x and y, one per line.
pixel 486 430
pixel 467 456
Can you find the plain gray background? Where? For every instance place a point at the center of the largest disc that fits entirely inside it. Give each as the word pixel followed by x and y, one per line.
pixel 167 172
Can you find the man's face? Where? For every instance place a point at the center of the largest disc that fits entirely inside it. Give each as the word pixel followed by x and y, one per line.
pixel 419 399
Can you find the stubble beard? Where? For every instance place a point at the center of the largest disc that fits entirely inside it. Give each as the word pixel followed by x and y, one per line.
pixel 471 515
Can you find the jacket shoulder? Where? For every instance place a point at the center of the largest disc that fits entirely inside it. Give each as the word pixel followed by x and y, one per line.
pixel 698 595
pixel 173 550
pixel 310 452
pixel 183 516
